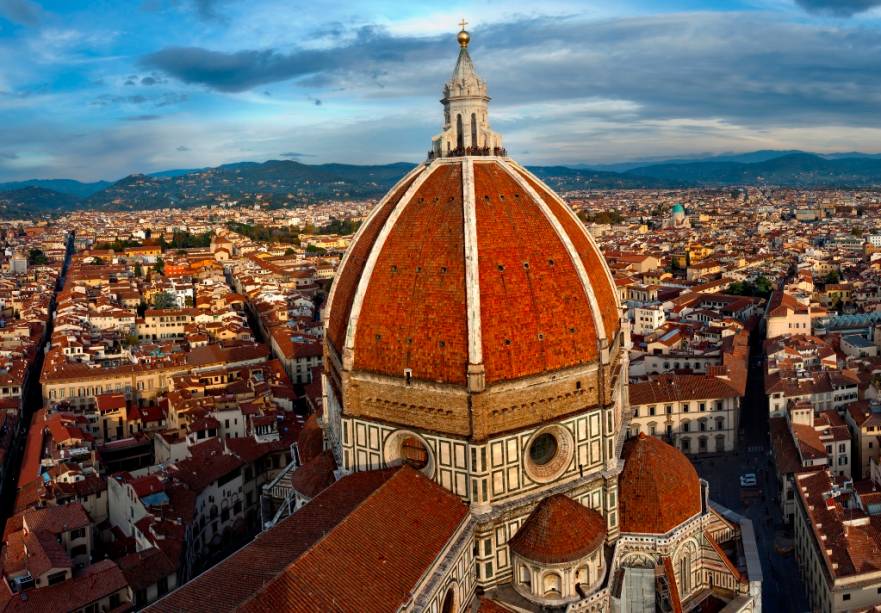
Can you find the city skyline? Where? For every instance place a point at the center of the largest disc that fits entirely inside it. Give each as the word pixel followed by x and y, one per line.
pixel 97 91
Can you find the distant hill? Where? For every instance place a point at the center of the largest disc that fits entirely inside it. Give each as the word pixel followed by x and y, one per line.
pixel 32 200
pixel 277 181
pixel 64 186
pixel 564 178
pixel 795 169
pixel 746 158
pixel 291 183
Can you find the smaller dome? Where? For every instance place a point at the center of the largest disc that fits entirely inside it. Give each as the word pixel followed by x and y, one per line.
pixel 678 208
pixel 658 489
pixel 559 530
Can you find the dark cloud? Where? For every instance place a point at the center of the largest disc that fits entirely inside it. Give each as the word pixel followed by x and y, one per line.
pixel 157 101
pixel 183 148
pixel 109 100
pixel 8 155
pixel 207 9
pixel 735 67
pixel 293 155
pixel 24 12
pixel 142 118
pixel 838 8
pixel 148 81
pixel 370 49
pixel 169 99
pixel 318 102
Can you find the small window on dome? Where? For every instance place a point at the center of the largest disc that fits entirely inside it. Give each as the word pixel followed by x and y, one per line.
pixel 443 270
pixel 550 262
pixel 501 267
pixel 394 268
pixel 526 265
pixel 507 341
pixel 441 344
pixel 543 449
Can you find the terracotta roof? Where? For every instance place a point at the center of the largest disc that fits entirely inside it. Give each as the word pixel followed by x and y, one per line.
pixel 360 545
pixel 315 475
pixel 675 388
pixel 559 530
pixel 536 314
pixel 658 489
pixel 310 442
pixel 346 281
pixel 491 606
pixel 96 582
pixel 371 561
pixel 145 568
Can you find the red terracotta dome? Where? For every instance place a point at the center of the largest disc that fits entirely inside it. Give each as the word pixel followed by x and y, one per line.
pixel 559 530
pixel 467 261
pixel 658 489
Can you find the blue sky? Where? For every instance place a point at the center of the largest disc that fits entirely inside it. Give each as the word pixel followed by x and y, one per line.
pixel 97 89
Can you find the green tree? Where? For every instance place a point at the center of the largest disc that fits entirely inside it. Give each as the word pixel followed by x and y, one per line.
pixel 313 250
pixel 833 277
pixel 164 300
pixel 139 270
pixel 36 257
pixel 159 266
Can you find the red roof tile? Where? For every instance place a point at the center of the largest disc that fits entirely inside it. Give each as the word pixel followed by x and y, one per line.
pixel 360 545
pixel 658 489
pixel 559 530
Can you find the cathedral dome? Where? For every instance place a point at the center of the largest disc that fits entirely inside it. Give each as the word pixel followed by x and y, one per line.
pixel 658 489
pixel 472 301
pixel 467 261
pixel 559 530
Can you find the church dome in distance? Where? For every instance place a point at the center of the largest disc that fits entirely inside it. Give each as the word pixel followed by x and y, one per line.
pixel 659 488
pixel 559 530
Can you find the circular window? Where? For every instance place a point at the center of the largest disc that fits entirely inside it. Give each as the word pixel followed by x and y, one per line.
pixel 414 453
pixel 406 447
pixel 543 449
pixel 548 453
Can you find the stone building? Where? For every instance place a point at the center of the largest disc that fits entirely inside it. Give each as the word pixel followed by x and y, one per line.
pixel 475 402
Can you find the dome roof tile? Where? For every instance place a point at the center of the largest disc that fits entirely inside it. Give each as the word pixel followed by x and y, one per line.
pixel 559 530
pixel 545 294
pixel 658 489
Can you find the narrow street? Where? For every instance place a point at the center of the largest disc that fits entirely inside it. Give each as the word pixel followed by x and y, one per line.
pixel 782 590
pixel 32 402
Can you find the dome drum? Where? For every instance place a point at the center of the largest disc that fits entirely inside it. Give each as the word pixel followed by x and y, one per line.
pixel 452 409
pixel 558 553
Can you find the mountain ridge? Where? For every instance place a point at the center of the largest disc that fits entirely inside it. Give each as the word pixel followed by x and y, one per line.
pixel 293 183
